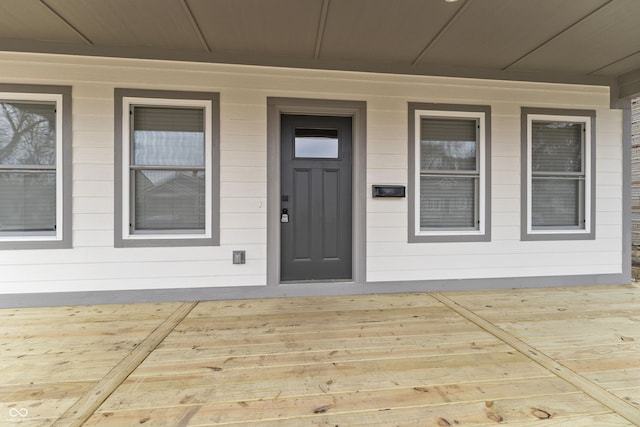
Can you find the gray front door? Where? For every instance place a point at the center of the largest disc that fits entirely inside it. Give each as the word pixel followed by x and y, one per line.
pixel 315 198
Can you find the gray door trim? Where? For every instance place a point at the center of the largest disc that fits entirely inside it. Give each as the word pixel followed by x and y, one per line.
pixel 357 110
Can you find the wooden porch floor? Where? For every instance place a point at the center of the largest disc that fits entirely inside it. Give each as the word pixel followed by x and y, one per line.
pixel 548 357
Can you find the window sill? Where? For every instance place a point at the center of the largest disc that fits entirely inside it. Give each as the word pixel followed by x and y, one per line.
pixel 541 235
pixel 140 241
pixel 449 236
pixel 35 242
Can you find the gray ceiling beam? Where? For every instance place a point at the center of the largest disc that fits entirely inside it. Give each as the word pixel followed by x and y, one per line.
pixel 67 23
pixel 628 85
pixel 615 62
pixel 194 25
pixel 306 62
pixel 558 34
pixel 321 26
pixel 441 33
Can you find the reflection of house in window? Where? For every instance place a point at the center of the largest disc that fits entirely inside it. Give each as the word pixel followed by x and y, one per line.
pixel 170 200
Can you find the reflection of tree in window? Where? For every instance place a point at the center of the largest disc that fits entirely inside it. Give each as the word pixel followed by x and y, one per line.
pixel 27 134
pixel 27 167
pixel 557 146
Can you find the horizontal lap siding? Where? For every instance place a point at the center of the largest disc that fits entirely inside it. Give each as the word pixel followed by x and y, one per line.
pixel 93 263
pixel 391 258
pixel 635 171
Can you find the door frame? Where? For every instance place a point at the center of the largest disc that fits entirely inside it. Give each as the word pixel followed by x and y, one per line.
pixel 357 110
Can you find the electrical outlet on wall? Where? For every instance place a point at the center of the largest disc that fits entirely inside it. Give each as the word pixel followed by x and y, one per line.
pixel 239 257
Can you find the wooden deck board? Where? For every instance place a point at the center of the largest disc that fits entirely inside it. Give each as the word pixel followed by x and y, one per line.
pixel 360 400
pixel 379 360
pixel 315 304
pixel 50 357
pixel 355 408
pixel 450 414
pixel 194 363
pixel 43 391
pixel 84 407
pixel 616 380
pixel 607 420
pixel 208 348
pixel 595 335
pixel 298 382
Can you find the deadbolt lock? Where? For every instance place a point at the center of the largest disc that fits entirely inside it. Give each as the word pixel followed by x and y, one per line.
pixel 284 217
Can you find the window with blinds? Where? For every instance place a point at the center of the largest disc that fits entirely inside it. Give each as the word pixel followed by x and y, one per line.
pixel 449 186
pixel 28 178
pixel 449 173
pixel 557 174
pixel 167 170
pixel 558 170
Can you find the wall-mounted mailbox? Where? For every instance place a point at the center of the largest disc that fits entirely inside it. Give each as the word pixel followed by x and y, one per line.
pixel 388 191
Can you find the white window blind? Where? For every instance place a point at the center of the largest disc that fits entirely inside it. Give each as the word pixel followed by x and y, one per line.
pixel 449 173
pixel 558 174
pixel 168 169
pixel 448 202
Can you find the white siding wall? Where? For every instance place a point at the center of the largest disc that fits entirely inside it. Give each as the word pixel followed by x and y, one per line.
pixel 93 263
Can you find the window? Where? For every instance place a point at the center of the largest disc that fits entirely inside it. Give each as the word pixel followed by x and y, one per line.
pixel 168 180
pixel 316 144
pixel 35 172
pixel 449 156
pixel 558 168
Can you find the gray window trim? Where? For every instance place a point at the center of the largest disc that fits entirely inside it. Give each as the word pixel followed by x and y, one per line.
pixel 214 176
pixel 63 163
pixel 483 163
pixel 590 180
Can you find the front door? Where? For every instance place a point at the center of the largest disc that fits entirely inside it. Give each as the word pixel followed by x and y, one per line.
pixel 315 198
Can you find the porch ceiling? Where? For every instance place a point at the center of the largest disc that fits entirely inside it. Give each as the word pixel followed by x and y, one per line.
pixel 582 41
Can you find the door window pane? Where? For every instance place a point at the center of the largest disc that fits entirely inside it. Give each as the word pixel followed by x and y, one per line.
pixel 316 143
